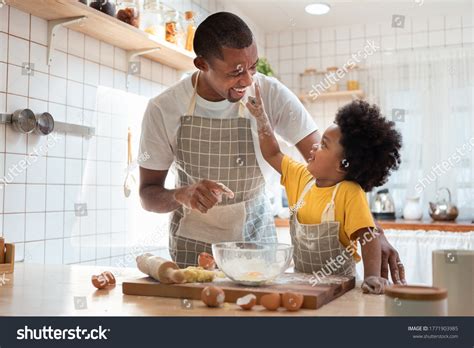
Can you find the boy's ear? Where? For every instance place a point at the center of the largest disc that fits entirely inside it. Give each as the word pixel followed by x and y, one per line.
pixel 343 166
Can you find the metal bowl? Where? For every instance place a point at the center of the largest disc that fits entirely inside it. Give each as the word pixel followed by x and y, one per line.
pixel 252 263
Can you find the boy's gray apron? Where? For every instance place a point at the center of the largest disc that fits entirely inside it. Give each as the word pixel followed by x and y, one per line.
pixel 221 150
pixel 317 244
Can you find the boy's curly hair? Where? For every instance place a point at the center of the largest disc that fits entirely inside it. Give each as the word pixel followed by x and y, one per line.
pixel 371 144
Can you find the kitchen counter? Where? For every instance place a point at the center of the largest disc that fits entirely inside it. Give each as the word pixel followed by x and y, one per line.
pixel 400 224
pixel 50 290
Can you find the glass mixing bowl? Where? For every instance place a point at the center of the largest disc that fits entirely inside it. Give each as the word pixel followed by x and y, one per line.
pixel 252 263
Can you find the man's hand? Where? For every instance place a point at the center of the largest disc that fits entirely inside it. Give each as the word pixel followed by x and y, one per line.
pixel 390 260
pixel 203 195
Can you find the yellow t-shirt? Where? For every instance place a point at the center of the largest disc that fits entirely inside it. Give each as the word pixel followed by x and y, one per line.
pixel 351 206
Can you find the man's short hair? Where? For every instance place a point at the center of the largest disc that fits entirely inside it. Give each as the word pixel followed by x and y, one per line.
pixel 221 29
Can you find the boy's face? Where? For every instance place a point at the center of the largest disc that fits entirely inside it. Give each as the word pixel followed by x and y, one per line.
pixel 326 157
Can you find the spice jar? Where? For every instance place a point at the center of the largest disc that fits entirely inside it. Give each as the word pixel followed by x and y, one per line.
pixel 128 12
pixel 332 79
pixel 353 78
pixel 172 27
pixel 308 80
pixel 152 18
pixel 190 30
pixel 105 6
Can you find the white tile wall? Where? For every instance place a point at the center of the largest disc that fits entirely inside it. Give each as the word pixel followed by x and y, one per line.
pixel 290 53
pixel 37 207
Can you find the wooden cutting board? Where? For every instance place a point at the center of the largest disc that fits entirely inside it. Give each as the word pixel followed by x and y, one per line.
pixel 314 296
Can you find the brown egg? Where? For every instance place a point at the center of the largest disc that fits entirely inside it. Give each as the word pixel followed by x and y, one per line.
pixel 99 281
pixel 206 261
pixel 271 301
pixel 247 302
pixel 109 277
pixel 292 301
pixel 212 296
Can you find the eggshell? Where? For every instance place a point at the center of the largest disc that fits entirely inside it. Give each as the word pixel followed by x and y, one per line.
pixel 247 302
pixel 212 296
pixel 99 281
pixel 271 301
pixel 109 277
pixel 292 301
pixel 206 261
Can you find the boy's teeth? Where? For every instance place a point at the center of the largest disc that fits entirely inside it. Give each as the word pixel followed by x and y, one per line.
pixel 240 90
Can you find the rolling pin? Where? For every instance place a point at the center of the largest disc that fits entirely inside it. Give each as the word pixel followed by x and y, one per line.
pixel 2 250
pixel 160 269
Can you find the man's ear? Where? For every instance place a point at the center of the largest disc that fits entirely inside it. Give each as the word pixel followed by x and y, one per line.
pixel 201 64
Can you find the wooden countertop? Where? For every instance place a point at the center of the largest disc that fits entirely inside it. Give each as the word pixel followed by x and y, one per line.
pixel 49 290
pixel 400 224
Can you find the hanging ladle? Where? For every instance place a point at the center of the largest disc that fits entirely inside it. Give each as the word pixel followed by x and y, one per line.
pixel 129 178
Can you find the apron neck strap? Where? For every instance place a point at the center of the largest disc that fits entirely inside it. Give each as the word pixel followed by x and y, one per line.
pixel 305 191
pixel 328 214
pixel 192 103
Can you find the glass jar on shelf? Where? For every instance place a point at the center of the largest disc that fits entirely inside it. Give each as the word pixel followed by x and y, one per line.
pixel 128 11
pixel 332 79
pixel 105 6
pixel 353 78
pixel 152 18
pixel 190 26
pixel 308 79
pixel 173 29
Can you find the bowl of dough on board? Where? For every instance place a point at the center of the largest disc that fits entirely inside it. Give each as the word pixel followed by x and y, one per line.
pixel 252 263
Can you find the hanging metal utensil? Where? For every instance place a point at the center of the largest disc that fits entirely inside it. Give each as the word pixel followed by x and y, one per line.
pixel 44 124
pixel 129 178
pixel 24 121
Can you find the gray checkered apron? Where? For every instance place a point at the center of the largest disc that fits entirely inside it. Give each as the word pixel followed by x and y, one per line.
pixel 221 150
pixel 317 245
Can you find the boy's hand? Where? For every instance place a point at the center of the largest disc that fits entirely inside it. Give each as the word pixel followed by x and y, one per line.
pixel 374 285
pixel 256 108
pixel 255 104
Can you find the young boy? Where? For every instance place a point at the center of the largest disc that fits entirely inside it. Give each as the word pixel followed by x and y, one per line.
pixel 327 196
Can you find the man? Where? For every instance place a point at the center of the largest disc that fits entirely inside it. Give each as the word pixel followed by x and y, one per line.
pixel 200 125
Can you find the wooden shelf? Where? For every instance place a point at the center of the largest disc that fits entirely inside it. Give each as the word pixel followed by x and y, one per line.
pixel 400 224
pixel 108 29
pixel 358 94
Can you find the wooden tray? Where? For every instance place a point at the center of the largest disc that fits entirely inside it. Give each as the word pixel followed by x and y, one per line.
pixel 314 296
pixel 9 264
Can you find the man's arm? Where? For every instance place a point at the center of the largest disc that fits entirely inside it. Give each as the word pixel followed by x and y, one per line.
pixel 155 197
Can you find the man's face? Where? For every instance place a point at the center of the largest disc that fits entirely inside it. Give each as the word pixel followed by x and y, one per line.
pixel 229 77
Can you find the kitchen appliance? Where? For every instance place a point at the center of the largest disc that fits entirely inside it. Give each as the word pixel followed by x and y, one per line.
pixel 383 207
pixel 443 210
pixel 252 263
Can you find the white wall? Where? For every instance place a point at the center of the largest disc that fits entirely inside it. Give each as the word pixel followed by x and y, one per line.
pixel 86 84
pixel 291 52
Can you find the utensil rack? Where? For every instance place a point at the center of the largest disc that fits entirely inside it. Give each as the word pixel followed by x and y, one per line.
pixel 62 127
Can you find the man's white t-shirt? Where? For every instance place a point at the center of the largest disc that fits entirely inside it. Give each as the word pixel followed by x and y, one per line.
pixel 290 120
